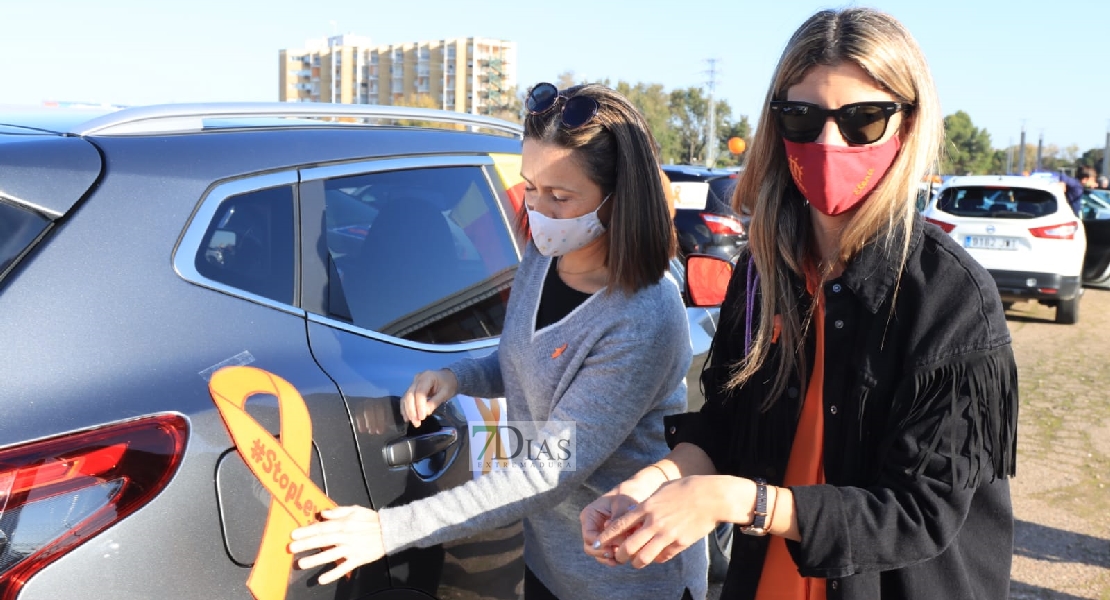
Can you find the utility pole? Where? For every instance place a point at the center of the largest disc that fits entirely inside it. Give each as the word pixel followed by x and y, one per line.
pixel 1040 151
pixel 1010 157
pixel 711 124
pixel 1106 153
pixel 1021 149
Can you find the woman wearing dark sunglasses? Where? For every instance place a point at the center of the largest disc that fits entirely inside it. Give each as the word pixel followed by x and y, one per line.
pixel 861 411
pixel 596 336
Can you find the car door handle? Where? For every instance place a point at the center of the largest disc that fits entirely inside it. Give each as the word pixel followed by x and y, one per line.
pixel 413 449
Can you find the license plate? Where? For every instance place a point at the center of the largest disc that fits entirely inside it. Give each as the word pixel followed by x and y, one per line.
pixel 989 242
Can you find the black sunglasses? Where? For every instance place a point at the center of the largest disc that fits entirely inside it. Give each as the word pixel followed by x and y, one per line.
pixel 859 123
pixel 577 110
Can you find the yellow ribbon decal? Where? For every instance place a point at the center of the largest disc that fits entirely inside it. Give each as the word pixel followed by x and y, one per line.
pixel 282 467
pixel 491 416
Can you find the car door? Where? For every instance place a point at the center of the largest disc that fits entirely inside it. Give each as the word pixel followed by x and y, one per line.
pixel 1096 262
pixel 243 242
pixel 407 266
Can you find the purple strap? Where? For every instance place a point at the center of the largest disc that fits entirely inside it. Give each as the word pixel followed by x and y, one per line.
pixel 753 283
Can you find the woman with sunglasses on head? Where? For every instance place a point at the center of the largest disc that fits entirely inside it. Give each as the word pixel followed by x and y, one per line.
pixel 861 394
pixel 595 338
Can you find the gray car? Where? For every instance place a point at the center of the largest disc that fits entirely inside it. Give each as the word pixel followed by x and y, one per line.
pixel 143 250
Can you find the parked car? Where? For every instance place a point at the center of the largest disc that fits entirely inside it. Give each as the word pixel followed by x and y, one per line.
pixel 704 219
pixel 1096 224
pixel 1022 230
pixel 142 250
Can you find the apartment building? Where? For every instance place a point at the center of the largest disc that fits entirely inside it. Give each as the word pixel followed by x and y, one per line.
pixel 472 75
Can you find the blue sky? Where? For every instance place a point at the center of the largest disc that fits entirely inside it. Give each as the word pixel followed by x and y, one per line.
pixel 1004 62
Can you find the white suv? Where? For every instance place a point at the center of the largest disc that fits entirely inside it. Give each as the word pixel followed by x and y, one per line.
pixel 1023 231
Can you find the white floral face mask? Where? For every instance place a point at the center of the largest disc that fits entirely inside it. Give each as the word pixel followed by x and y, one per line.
pixel 556 237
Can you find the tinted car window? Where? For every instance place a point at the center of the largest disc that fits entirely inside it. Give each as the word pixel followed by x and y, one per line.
pixel 18 228
pixel 249 244
pixel 1016 203
pixel 419 254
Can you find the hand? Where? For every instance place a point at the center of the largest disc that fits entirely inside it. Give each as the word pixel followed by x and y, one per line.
pixel 615 503
pixel 429 389
pixel 678 514
pixel 351 535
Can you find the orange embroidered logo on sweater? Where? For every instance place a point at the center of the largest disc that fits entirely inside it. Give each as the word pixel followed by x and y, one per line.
pixel 559 351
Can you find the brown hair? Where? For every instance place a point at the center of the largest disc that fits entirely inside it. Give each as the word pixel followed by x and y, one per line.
pixel 616 150
pixel 780 236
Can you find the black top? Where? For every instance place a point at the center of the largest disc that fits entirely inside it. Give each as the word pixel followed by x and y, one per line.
pixel 920 413
pixel 557 299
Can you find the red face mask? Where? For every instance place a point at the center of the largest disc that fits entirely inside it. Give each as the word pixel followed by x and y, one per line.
pixel 836 179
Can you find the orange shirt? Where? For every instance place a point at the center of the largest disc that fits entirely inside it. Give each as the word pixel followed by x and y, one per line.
pixel 780 579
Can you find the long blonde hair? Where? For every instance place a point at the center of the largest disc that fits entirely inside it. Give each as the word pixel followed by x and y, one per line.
pixel 780 236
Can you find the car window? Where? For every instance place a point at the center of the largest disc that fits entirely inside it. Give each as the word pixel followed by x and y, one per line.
pixel 997 202
pixel 420 254
pixel 249 245
pixel 18 229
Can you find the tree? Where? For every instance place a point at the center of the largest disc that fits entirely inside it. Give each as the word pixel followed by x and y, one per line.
pixel 1092 158
pixel 967 148
pixel 565 80
pixel 730 129
pixel 422 101
pixel 652 101
pixel 689 117
pixel 512 111
pixel 688 112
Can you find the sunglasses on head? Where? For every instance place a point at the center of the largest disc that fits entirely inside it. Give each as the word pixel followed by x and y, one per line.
pixel 577 110
pixel 859 123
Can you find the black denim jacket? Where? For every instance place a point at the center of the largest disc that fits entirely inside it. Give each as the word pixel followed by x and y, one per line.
pixel 920 412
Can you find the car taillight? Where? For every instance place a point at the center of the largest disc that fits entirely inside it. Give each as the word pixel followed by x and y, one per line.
pixel 722 225
pixel 57 493
pixel 1065 231
pixel 947 227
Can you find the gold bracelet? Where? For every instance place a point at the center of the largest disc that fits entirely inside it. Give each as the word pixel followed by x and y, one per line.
pixel 665 476
pixel 771 510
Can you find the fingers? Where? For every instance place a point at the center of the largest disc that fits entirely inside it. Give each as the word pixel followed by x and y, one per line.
pixel 415 404
pixel 621 526
pixel 340 512
pixel 322 558
pixel 632 546
pixel 649 551
pixel 340 570
pixel 670 552
pixel 413 395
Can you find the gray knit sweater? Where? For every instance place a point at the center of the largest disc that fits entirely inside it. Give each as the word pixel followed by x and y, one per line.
pixel 622 369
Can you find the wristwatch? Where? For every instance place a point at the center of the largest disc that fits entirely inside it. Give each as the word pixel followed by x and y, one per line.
pixel 758 526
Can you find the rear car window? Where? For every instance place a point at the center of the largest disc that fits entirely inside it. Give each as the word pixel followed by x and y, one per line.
pixel 249 245
pixel 19 227
pixel 419 254
pixel 997 202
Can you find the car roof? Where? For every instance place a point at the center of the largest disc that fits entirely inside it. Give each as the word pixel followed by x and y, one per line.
pixel 698 171
pixel 198 117
pixel 1037 183
pixel 67 142
pixel 15 119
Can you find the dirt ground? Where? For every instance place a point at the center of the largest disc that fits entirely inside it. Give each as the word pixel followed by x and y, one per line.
pixel 1061 494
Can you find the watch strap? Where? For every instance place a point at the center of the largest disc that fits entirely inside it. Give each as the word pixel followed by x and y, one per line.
pixel 759 523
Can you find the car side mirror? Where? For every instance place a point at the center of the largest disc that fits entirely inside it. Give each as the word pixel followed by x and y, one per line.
pixel 707 279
